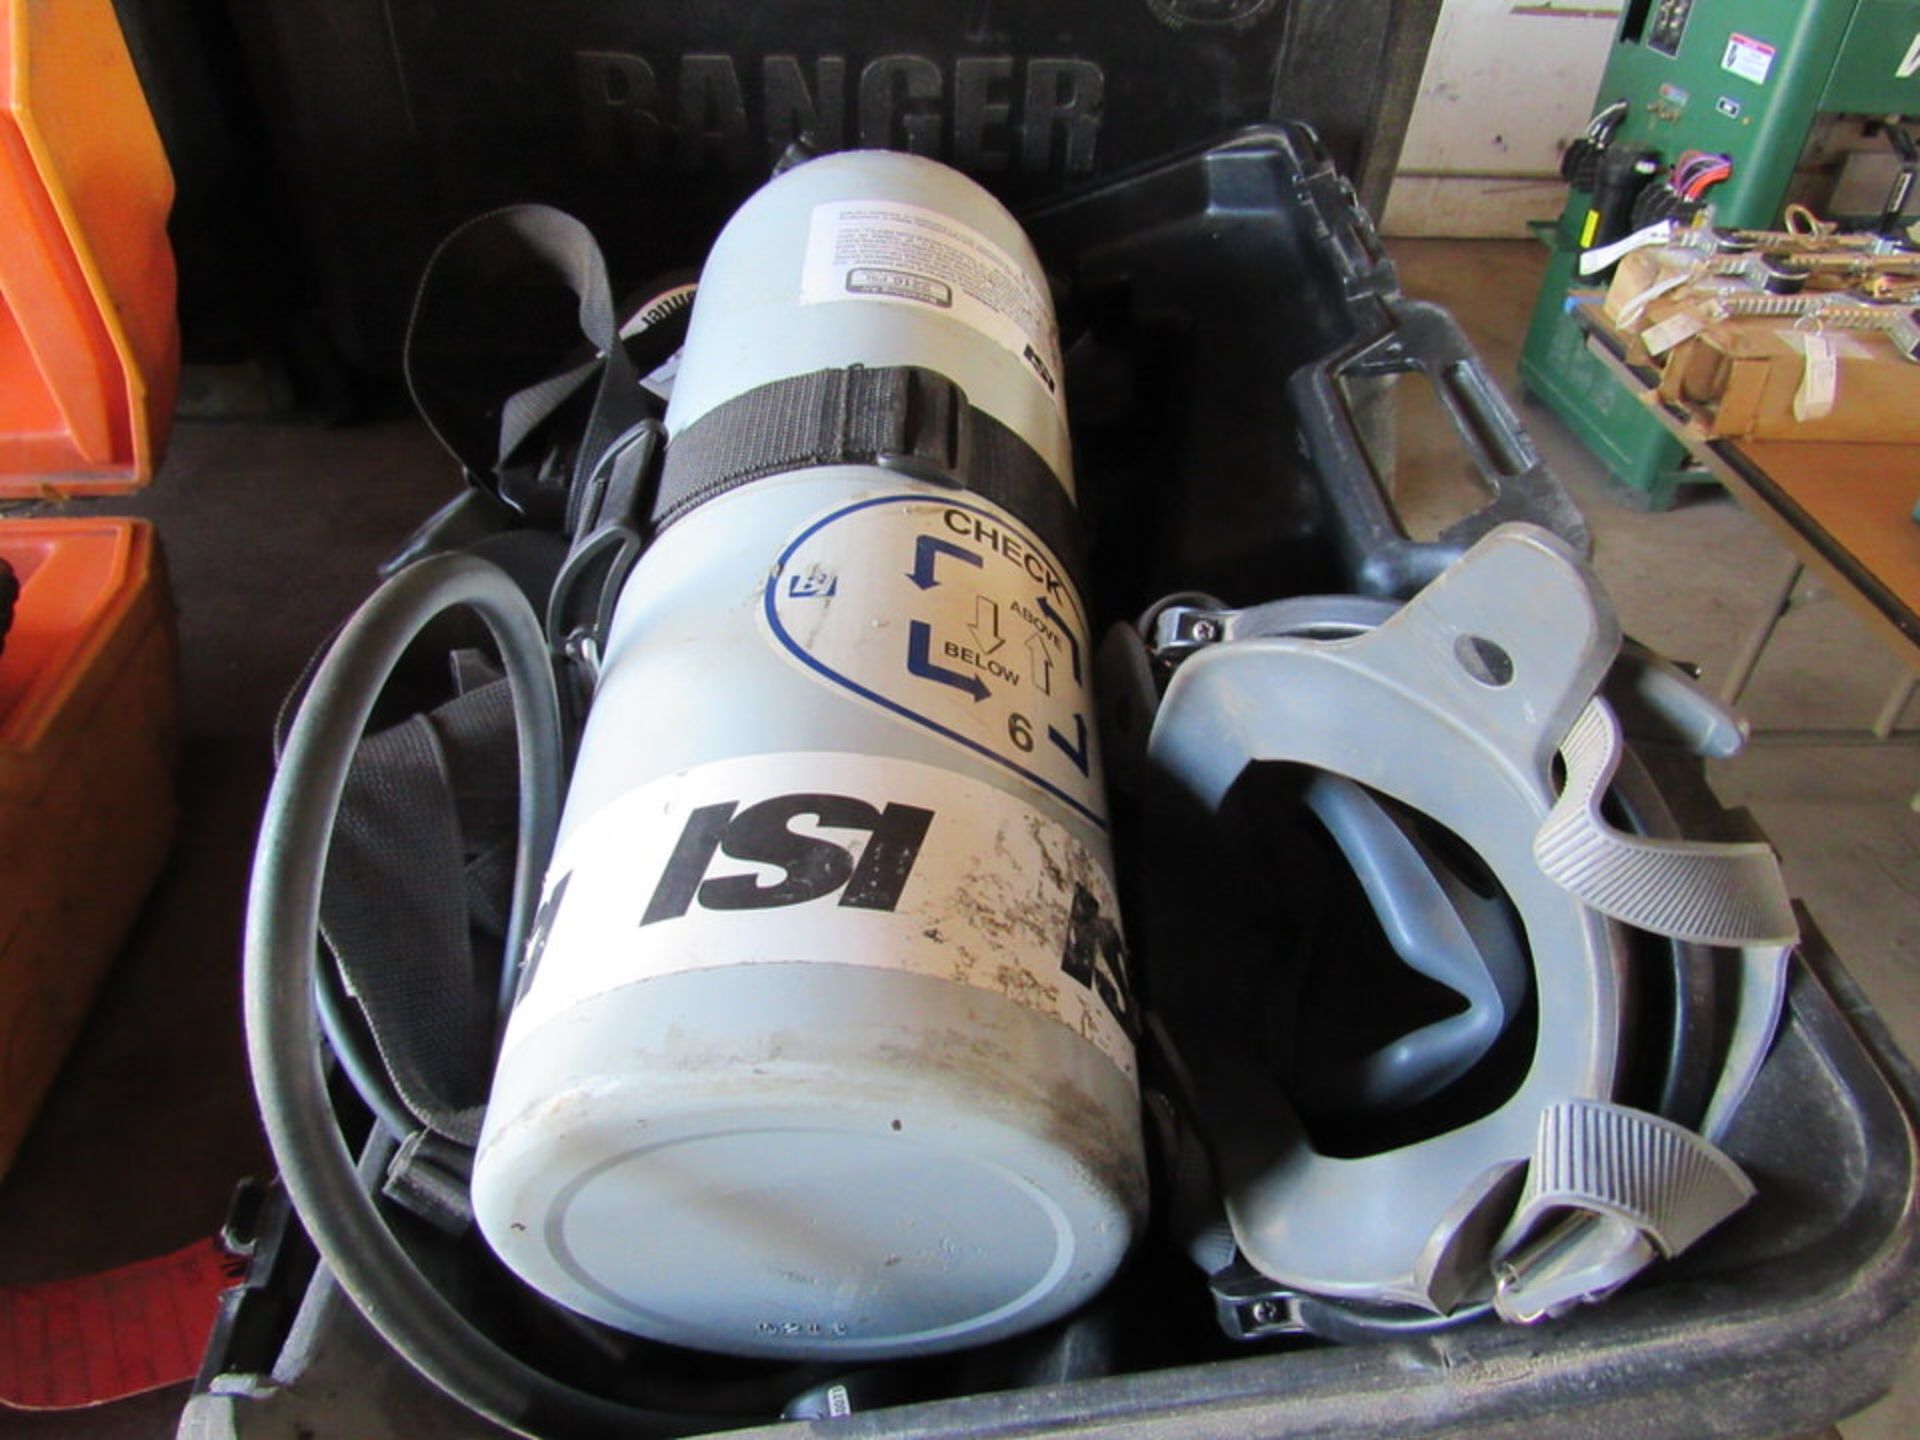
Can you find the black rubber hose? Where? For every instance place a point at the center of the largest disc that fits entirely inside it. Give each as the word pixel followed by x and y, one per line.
pixel 283 913
pixel 352 1051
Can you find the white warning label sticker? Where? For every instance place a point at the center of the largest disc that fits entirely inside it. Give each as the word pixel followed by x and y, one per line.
pixel 907 254
pixel 828 857
pixel 657 311
pixel 948 614
pixel 1748 58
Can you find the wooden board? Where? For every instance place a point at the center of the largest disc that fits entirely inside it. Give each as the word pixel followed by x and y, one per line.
pixel 1853 504
pixel 1844 508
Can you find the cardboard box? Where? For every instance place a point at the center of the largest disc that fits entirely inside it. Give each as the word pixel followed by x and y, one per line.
pixel 1636 274
pixel 1652 293
pixel 1740 377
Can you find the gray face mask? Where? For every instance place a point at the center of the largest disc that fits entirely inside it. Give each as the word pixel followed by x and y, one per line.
pixel 1461 709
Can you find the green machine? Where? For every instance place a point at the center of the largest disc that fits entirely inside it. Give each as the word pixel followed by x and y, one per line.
pixel 1804 100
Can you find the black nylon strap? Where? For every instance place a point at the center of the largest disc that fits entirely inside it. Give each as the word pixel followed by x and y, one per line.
pixel 433 1177
pixel 421 820
pixel 489 368
pixel 905 417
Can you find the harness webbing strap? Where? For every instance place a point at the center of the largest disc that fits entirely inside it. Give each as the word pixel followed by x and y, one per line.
pixel 428 805
pixel 904 417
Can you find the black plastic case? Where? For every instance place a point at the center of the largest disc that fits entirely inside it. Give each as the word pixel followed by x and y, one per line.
pixel 1226 303
pixel 392 121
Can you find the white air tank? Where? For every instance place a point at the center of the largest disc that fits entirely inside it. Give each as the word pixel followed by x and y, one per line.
pixel 825 1045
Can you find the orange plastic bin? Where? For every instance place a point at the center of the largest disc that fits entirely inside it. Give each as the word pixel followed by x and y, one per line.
pixel 89 346
pixel 89 362
pixel 87 798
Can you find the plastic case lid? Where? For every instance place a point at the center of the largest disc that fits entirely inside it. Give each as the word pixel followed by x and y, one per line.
pixel 89 347
pixel 77 579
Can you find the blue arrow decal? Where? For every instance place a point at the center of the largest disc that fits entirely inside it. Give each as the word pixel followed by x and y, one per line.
pixel 919 662
pixel 1066 630
pixel 927 550
pixel 1076 753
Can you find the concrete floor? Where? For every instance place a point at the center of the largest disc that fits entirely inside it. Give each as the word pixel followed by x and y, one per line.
pixel 272 531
